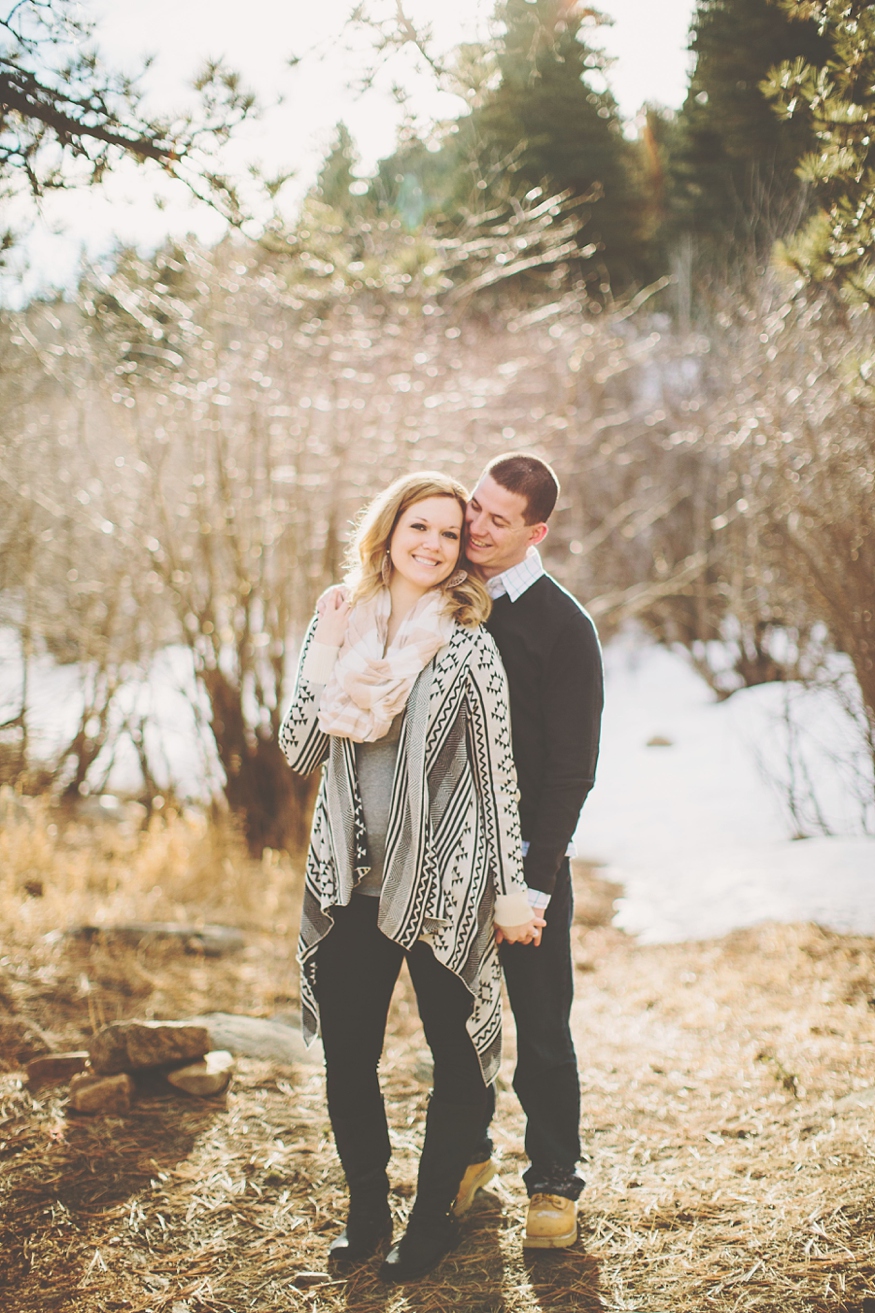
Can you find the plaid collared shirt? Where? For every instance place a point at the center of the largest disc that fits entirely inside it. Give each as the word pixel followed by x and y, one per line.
pixel 518 578
pixel 514 582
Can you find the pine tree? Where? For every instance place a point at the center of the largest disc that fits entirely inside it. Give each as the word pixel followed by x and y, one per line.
pixel 837 104
pixel 552 122
pixel 336 176
pixel 732 168
pixel 542 122
pixel 420 181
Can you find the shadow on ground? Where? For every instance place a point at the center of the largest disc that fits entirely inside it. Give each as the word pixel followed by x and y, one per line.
pixel 63 1176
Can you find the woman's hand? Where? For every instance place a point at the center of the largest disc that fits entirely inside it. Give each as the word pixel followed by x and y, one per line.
pixel 333 612
pixel 527 933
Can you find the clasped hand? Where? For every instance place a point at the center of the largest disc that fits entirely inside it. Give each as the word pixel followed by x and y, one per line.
pixel 529 932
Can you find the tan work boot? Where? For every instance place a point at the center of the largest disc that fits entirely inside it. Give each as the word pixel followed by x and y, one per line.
pixel 476 1176
pixel 551 1222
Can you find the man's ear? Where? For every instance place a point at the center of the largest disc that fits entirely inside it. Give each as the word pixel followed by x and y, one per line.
pixel 537 533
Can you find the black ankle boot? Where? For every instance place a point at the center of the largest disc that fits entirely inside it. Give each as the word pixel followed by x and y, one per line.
pixel 451 1131
pixel 425 1242
pixel 368 1217
pixel 360 1238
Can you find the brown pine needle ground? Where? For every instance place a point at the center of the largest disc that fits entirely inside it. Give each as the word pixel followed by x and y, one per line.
pixel 727 1091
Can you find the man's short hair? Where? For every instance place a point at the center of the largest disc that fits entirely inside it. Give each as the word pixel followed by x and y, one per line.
pixel 529 477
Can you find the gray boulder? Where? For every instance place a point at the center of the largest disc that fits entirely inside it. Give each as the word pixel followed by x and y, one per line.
pixel 257 1037
pixel 209 940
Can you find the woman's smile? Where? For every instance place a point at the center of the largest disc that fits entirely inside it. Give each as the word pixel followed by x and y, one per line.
pixel 425 544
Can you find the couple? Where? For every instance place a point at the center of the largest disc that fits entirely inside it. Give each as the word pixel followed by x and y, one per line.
pixel 437 838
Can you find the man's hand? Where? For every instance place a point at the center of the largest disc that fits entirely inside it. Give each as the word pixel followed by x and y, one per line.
pixel 332 609
pixel 529 932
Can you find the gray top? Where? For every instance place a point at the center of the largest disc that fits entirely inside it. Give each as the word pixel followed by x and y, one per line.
pixel 375 768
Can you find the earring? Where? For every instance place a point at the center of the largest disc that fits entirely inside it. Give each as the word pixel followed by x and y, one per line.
pixel 386 569
pixel 455 579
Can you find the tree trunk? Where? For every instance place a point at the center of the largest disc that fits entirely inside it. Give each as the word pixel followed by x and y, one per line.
pixel 274 804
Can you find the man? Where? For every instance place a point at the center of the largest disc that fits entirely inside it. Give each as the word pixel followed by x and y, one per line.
pixel 551 653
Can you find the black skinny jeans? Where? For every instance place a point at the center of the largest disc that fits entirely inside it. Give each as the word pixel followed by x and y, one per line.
pixel 356 970
pixel 540 985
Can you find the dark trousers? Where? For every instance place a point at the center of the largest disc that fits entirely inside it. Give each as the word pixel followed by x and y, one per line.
pixel 540 987
pixel 356 970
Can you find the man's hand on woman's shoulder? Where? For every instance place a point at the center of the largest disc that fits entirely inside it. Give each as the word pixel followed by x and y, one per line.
pixel 332 610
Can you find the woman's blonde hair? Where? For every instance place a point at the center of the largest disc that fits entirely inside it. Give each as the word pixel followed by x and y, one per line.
pixel 467 602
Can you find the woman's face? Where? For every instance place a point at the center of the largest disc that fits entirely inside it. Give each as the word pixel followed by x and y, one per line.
pixel 424 547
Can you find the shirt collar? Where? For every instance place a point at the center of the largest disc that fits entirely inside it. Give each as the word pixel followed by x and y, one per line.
pixel 518 578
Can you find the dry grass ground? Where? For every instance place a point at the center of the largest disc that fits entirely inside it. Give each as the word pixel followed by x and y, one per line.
pixel 726 1113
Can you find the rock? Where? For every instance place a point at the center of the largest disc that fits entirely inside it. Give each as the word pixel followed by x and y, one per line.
pixel 95 1094
pixel 54 1068
pixel 134 1045
pixel 257 1037
pixel 210 940
pixel 211 1076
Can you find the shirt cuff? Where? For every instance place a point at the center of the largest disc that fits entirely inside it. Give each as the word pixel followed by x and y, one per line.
pixel 319 663
pixel 539 900
pixel 570 851
pixel 512 909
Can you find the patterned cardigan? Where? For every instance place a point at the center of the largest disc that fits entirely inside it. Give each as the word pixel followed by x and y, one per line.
pixel 453 837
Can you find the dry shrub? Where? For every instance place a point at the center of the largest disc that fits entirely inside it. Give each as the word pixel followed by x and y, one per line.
pixel 716 470
pixel 62 871
pixel 58 869
pixel 799 431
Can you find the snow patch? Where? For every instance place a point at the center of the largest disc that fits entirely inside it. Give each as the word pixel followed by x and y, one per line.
pixel 690 808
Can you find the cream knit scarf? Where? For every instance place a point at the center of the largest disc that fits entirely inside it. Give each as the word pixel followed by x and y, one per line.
pixel 369 684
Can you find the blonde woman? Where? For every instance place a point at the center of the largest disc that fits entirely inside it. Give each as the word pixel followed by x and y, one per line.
pixel 414 852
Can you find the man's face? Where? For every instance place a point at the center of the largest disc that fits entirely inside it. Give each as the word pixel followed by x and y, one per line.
pixel 497 535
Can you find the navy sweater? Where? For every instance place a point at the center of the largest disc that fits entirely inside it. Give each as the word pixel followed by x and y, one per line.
pixel 551 653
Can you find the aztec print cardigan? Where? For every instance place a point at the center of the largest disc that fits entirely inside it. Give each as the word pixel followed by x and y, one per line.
pixel 453 839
